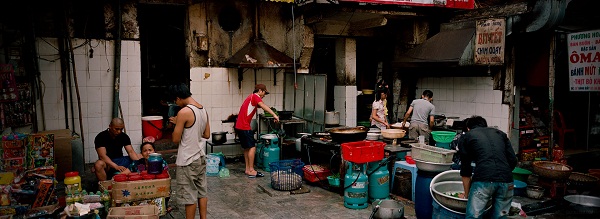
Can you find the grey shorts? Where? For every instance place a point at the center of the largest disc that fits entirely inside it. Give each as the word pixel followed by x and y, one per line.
pixel 191 182
pixel 415 129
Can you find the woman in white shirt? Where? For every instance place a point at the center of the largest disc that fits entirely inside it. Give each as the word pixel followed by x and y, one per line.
pixel 378 114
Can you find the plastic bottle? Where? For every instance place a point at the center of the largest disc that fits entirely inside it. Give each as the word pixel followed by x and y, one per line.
pixel 69 199
pixel 105 198
pixel 77 197
pixel 72 181
pixel 155 163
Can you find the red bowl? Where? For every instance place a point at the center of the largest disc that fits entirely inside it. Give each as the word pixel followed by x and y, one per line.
pixel 120 178
pixel 135 177
pixel 148 176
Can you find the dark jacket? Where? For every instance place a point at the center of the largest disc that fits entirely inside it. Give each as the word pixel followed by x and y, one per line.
pixel 492 153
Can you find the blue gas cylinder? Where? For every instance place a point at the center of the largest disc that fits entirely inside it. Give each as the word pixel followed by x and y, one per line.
pixel 423 199
pixel 379 181
pixel 258 155
pixel 270 150
pixel 356 187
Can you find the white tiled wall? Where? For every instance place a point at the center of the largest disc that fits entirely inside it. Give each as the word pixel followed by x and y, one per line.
pixel 345 103
pixel 95 77
pixel 467 96
pixel 220 95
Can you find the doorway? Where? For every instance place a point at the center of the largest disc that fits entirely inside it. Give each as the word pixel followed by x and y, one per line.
pixel 163 53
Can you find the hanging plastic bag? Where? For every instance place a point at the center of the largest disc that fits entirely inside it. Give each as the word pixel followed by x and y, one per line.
pixel 224 172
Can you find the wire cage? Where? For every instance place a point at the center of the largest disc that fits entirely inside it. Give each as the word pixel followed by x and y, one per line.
pixel 286 175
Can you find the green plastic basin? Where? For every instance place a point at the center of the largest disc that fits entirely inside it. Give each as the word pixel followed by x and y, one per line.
pixel 521 174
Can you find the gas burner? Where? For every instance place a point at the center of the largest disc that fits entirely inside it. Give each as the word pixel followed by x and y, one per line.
pixel 557 188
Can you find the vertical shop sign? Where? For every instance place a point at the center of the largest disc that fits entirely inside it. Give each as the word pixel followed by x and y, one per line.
pixel 584 61
pixel 489 42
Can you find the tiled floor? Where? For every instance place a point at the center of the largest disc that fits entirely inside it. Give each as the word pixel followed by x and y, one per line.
pixel 238 196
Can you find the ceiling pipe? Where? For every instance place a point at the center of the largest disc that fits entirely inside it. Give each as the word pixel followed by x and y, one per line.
pixel 547 14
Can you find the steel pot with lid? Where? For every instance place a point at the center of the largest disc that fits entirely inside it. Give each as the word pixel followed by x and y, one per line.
pixel 219 137
pixel 332 118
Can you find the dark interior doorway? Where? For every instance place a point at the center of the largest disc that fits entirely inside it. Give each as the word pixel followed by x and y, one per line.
pixel 163 50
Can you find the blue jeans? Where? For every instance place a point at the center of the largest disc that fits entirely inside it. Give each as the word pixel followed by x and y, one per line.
pixel 498 193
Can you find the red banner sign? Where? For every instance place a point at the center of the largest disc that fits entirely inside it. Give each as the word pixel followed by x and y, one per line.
pixel 462 4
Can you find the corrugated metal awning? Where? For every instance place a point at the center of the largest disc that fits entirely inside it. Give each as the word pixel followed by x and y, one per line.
pixel 285 1
pixel 449 46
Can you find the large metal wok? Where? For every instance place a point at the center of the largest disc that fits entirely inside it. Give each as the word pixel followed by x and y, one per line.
pixel 343 135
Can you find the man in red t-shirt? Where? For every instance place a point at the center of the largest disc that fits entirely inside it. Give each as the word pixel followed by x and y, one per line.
pixel 243 129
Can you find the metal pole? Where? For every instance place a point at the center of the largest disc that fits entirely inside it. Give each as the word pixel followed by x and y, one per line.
pixel 587 133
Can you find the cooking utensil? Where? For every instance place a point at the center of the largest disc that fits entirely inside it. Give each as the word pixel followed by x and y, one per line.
pixel 373 136
pixel 535 192
pixel 388 209
pixel 431 166
pixel 332 118
pixel 458 204
pixel 393 134
pixel 342 135
pixel 583 204
pixel 219 137
pixel 552 170
pixel 582 180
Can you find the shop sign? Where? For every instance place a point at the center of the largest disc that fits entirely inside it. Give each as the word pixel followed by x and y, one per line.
pixel 461 4
pixel 489 42
pixel 584 61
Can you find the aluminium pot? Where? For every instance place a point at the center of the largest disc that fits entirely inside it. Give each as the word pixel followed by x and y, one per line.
pixel 343 135
pixel 388 209
pixel 219 137
pixel 332 118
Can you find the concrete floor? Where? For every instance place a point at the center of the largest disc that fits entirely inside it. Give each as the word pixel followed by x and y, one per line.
pixel 238 196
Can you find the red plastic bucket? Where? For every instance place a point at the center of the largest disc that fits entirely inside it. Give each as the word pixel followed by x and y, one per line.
pixel 152 126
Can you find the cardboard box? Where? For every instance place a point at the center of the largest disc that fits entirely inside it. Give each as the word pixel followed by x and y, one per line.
pixel 139 190
pixel 133 212
pixel 40 151
pixel 62 148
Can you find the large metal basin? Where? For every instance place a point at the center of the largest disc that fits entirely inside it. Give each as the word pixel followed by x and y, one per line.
pixel 432 167
pixel 457 204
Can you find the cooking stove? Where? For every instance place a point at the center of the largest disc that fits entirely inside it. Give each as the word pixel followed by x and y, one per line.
pixel 321 151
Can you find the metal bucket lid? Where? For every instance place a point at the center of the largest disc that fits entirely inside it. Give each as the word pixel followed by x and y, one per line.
pixel 268 136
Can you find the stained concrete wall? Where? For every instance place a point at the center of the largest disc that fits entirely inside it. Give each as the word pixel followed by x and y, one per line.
pixel 275 26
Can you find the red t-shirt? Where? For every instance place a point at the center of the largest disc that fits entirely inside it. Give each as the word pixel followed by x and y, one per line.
pixel 247 111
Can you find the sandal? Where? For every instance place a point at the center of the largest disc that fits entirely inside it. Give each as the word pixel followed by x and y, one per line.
pixel 258 174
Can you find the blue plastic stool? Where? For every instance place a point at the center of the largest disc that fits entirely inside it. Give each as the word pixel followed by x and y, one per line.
pixel 413 172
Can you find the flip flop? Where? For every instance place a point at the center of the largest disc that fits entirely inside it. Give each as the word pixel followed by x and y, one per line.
pixel 258 174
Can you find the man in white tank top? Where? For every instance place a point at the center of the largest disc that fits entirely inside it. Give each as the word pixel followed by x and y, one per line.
pixel 191 132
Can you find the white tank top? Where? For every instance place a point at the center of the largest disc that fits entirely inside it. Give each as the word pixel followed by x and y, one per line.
pixel 192 145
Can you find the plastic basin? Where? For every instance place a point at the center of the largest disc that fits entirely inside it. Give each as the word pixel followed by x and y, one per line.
pixel 521 174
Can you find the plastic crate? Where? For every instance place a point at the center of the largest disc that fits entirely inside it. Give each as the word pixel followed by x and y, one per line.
pixel 363 151
pixel 315 173
pixel 431 153
pixel 286 175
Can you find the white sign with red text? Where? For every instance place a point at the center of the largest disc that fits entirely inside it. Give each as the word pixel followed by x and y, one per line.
pixel 584 61
pixel 489 42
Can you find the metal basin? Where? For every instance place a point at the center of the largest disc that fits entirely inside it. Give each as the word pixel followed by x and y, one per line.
pixel 388 209
pixel 393 133
pixel 432 167
pixel 583 204
pixel 454 203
